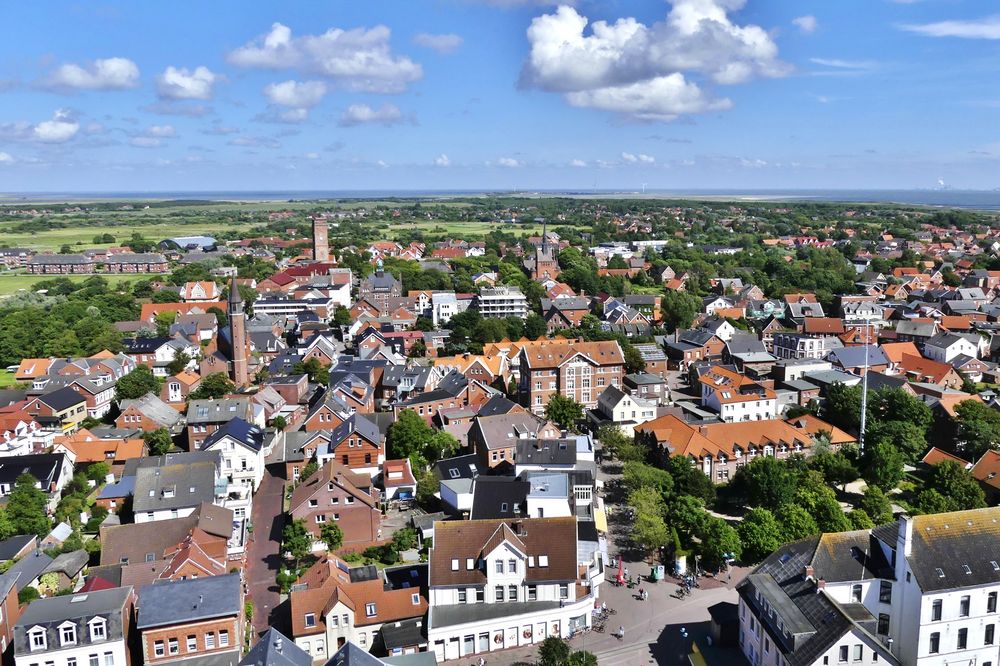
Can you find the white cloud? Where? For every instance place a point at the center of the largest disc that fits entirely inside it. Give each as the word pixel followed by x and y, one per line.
pixel 311 156
pixel 162 131
pixel 6 158
pixel 446 43
pixel 442 160
pixel 632 158
pixel 61 128
pixel 984 28
pixel 357 114
pixel 806 24
pixel 101 74
pixel 358 59
pixel 509 162
pixel 838 63
pixel 301 95
pixel 642 71
pixel 577 163
pixel 182 83
pixel 170 107
pixel 254 142
pixel 145 142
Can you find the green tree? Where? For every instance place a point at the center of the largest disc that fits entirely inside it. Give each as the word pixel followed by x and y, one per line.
pixel 689 480
pixel 977 427
pixel 297 541
pixel 931 501
pixel 637 475
pixel 882 465
pixel 428 485
pixel 955 483
pixel 876 504
pixel 535 327
pixel 860 520
pixel 760 533
pixel 26 507
pixel 553 651
pixel 566 412
pixel 582 658
pixel 98 471
pixel 136 384
pixel 6 526
pixel 679 309
pixel 822 505
pixel 836 468
pixel 796 522
pixel 633 358
pixel 843 407
pixel 279 423
pixel 410 437
pixel 687 515
pixel 404 539
pixel 317 371
pixel 331 534
pixel 308 470
pixel 719 540
pixel 342 317
pixel 158 441
pixel 766 481
pixel 216 385
pixel 907 437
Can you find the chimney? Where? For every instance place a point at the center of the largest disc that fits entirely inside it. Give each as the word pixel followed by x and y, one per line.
pixel 809 572
pixel 278 644
pixel 820 584
pixel 904 543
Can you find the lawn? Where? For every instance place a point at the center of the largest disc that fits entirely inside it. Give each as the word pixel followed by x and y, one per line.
pixel 7 379
pixel 12 282
pixel 82 237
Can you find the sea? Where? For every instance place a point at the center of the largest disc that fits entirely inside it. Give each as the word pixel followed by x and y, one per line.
pixel 938 198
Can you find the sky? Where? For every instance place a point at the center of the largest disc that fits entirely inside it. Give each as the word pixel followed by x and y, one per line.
pixel 499 95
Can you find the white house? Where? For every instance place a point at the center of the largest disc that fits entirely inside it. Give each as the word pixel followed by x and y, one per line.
pixel 922 591
pixel 624 410
pixel 944 347
pixel 20 437
pixel 242 447
pixel 524 579
pixel 75 630
pixel 736 397
pixel 444 306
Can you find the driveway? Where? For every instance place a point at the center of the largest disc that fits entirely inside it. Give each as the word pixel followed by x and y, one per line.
pixel 263 558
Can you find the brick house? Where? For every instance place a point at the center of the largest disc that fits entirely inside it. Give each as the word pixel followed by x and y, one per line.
pixel 206 416
pixel 191 619
pixel 337 494
pixel 10 610
pixel 357 443
pixel 149 413
pixel 571 368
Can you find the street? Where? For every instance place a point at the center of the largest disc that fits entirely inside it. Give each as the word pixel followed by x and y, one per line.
pixel 263 558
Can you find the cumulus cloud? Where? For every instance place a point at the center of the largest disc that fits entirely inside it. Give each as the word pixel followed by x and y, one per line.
pixel 254 142
pixel 442 160
pixel 162 131
pixel 984 28
pixel 577 163
pixel 358 114
pixel 357 59
pixel 445 43
pixel 641 70
pixel 509 162
pixel 145 142
pixel 172 107
pixel 806 24
pixel 632 158
pixel 182 83
pixel 6 158
pixel 101 74
pixel 60 129
pixel 301 95
pixel 838 63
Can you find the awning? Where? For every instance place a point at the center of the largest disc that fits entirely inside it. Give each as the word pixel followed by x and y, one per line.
pixel 601 519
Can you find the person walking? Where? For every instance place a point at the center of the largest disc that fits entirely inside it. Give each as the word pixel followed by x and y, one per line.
pixel 621 632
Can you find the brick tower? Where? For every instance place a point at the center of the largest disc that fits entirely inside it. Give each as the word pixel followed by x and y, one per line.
pixel 321 243
pixel 237 335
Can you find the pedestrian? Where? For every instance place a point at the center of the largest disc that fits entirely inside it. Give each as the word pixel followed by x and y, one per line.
pixel 621 632
pixel 604 607
pixel 481 662
pixel 626 572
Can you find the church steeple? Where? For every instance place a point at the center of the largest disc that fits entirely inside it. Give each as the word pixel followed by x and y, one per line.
pixel 237 335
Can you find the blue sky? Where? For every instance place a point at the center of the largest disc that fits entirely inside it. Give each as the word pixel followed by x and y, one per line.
pixel 499 94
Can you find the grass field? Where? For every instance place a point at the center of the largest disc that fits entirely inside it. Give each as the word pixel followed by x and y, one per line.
pixel 7 379
pixel 11 282
pixel 53 239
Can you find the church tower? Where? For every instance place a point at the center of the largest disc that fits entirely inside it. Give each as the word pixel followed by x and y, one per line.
pixel 546 258
pixel 321 243
pixel 237 335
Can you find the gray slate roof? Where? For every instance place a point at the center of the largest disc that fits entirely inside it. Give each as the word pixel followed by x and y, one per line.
pixel 29 568
pixel 184 601
pixel 191 477
pixel 276 649
pixel 80 608
pixel 152 407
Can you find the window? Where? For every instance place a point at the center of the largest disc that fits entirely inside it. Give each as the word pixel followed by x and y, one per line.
pixel 313 503
pixel 935 643
pixel 988 634
pixel 991 602
pixel 109 659
pixel 173 646
pixel 370 610
pixel 192 643
pixel 321 518
pixel 564 591
pixel 885 592
pixel 462 596
pixel 856 593
pixel 498 593
pixel 843 654
pixel 512 593
pixel 480 595
pixel 224 638
pixel 71 661
pixel 38 639
pixel 499 566
pixel 157 650
pixel 532 592
pixel 858 651
pixel 883 624
pixel 511 566
pixel 210 640
pixel 94 661
pixel 67 635
pixel 454 564
pixel 98 629
pixel 963 638
pixel 415 599
pixel 963 607
pixel 310 619
pixel 936 610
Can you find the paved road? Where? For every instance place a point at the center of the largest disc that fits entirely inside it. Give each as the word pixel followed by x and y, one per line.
pixel 263 558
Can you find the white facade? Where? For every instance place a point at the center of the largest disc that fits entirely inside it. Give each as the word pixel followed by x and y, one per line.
pixel 957 347
pixel 243 468
pixel 500 302
pixel 627 411
pixel 24 438
pixel 80 651
pixel 444 306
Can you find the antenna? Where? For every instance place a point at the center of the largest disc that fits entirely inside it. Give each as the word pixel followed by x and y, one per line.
pixel 644 188
pixel 864 393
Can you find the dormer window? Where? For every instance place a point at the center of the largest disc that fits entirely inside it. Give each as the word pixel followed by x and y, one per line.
pixel 370 610
pixel 98 629
pixel 36 639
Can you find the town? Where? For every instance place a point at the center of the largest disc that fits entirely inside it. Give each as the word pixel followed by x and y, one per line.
pixel 594 431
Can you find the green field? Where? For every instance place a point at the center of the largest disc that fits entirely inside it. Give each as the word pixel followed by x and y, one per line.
pixel 12 282
pixel 7 379
pixel 82 237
